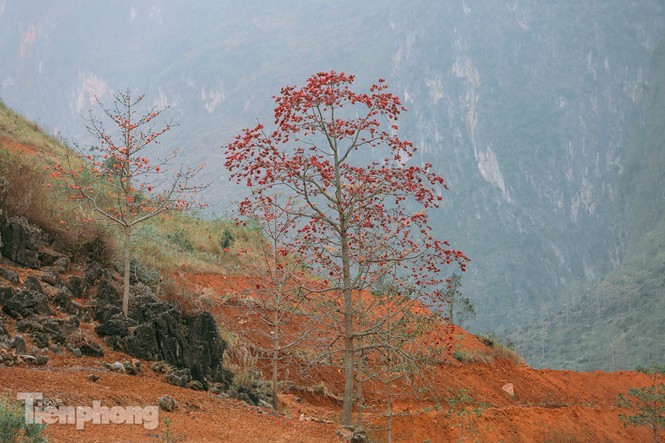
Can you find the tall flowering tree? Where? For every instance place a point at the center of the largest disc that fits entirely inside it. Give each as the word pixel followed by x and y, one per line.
pixel 336 155
pixel 119 182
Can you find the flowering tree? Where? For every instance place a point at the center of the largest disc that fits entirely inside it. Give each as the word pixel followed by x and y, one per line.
pixel 337 155
pixel 119 182
pixel 279 292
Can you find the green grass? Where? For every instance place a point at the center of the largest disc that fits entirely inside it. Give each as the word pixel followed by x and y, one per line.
pixel 13 427
pixel 167 243
pixel 16 128
pixel 187 242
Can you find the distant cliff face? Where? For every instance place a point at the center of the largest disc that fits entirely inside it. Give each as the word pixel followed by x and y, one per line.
pixel 528 108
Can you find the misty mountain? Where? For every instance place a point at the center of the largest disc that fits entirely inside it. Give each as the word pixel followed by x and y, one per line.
pixel 535 113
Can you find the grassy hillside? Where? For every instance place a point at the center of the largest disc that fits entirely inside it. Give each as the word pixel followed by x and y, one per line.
pixel 618 321
pixel 166 244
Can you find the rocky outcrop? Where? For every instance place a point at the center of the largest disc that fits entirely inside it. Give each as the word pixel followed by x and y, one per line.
pixel 156 330
pixel 26 303
pixel 21 241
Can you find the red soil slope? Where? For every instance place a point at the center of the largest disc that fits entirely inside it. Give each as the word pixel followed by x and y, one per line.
pixel 547 405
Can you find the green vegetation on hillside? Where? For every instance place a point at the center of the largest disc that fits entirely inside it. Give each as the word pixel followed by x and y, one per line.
pixel 618 321
pixel 165 244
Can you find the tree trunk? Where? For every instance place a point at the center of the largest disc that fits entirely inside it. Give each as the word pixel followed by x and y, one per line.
pixel 275 362
pixel 360 368
pixel 389 411
pixel 125 280
pixel 347 406
pixel 359 391
pixel 451 310
pixel 275 369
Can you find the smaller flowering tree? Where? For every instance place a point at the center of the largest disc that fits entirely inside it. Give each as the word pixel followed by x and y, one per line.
pixel 401 349
pixel 460 309
pixel 119 182
pixel 280 289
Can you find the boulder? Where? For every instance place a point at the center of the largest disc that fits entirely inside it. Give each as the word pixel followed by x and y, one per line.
pixel 184 341
pixel 61 264
pixel 196 385
pixel 59 329
pixel 19 345
pixel 167 403
pixel 48 257
pixel 91 349
pixel 160 366
pixel 156 330
pixel 179 377
pixel 40 340
pixel 50 276
pixel 130 368
pixel 107 301
pixel 76 285
pixel 64 300
pixel 6 293
pixel 93 273
pixel 21 242
pixel 86 347
pixel 26 325
pixel 76 352
pixel 25 304
pixel 75 308
pixel 359 436
pixel 245 394
pixel 118 324
pixel 509 389
pixel 115 367
pixel 32 284
pixel 62 297
pixel 9 275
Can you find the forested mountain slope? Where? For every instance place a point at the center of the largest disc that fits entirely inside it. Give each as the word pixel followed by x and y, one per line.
pixel 617 320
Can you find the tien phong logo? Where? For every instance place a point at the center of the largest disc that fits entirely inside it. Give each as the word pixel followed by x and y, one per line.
pixel 96 414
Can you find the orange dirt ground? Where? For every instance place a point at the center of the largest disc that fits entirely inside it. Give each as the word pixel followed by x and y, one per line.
pixel 547 406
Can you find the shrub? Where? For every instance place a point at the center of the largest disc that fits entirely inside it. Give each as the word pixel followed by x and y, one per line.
pixel 13 428
pixel 497 351
pixel 506 353
pixel 226 239
pixel 241 359
pixel 140 273
pixel 501 349
pixel 648 402
pixel 180 239
pixel 469 356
